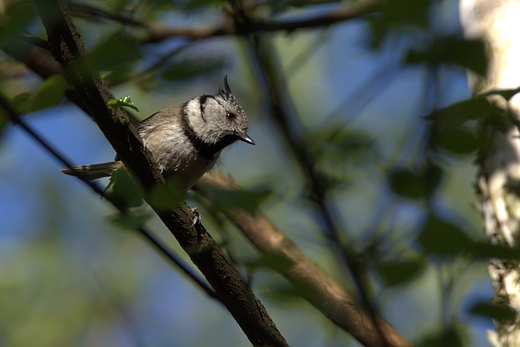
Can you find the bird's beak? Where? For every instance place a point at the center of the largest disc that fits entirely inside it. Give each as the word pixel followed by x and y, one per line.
pixel 244 137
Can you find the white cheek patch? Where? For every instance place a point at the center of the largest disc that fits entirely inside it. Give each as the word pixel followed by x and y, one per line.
pixel 193 110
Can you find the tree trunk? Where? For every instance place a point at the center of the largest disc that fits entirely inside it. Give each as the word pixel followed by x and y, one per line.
pixel 497 22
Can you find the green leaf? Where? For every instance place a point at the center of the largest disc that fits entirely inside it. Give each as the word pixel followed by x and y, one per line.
pixel 347 149
pixel 281 6
pixel 21 101
pixel 469 54
pixel 165 197
pixel 19 16
pixel 269 260
pixel 456 140
pixel 415 185
pixel 50 93
pixel 441 237
pixel 119 6
pixel 432 176
pixel 3 122
pixel 342 143
pixel 396 272
pixel 448 337
pixel 463 111
pixel 407 12
pixel 190 5
pixel 407 184
pixel 191 67
pixel 130 221
pixel 286 294
pixel 494 311
pixel 485 250
pixel 114 51
pixel 124 101
pixel 124 192
pixel 507 94
pixel 247 200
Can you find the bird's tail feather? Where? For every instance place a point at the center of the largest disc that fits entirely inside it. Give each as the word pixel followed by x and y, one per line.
pixel 93 171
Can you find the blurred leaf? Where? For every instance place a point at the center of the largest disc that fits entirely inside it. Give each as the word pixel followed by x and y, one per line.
pixel 405 183
pixel 449 337
pixel 194 66
pixel 124 101
pixel 120 75
pixel 407 12
pixel 432 176
pixel 124 191
pixel 20 101
pixel 494 311
pixel 469 54
pixel 415 185
pixel 16 20
pixel 457 140
pixel 332 178
pixel 114 51
pixel 285 294
pixel 279 6
pixel 130 221
pixel 441 237
pixel 396 272
pixel 247 200
pixel 50 93
pixel 345 148
pixel 3 122
pixel 507 94
pixel 190 5
pixel 269 260
pixel 165 197
pixel 463 111
pixel 117 6
pixel 485 250
pixel 342 143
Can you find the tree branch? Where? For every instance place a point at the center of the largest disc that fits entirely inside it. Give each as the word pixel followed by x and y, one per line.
pixel 14 117
pixel 158 32
pixel 69 51
pixel 285 116
pixel 315 286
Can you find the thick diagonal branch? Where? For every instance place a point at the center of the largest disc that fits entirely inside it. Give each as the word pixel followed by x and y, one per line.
pixel 314 284
pixel 68 49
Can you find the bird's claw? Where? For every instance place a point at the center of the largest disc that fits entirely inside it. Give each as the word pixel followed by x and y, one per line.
pixel 198 217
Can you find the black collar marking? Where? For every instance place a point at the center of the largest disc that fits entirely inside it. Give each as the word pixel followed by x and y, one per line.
pixel 205 149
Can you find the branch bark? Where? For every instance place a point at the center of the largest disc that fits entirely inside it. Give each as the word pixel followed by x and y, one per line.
pixel 157 32
pixel 315 286
pixel 68 49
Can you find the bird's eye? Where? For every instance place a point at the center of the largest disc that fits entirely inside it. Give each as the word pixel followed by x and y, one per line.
pixel 230 116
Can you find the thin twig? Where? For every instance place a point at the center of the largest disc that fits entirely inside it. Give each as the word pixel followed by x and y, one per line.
pixel 68 49
pixel 15 118
pixel 309 280
pixel 294 135
pixel 159 32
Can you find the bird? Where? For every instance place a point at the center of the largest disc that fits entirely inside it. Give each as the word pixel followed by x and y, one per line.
pixel 185 140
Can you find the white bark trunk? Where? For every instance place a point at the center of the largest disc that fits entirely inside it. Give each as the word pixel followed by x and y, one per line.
pixel 497 22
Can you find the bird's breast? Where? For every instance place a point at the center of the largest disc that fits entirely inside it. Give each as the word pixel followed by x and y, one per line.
pixel 178 158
